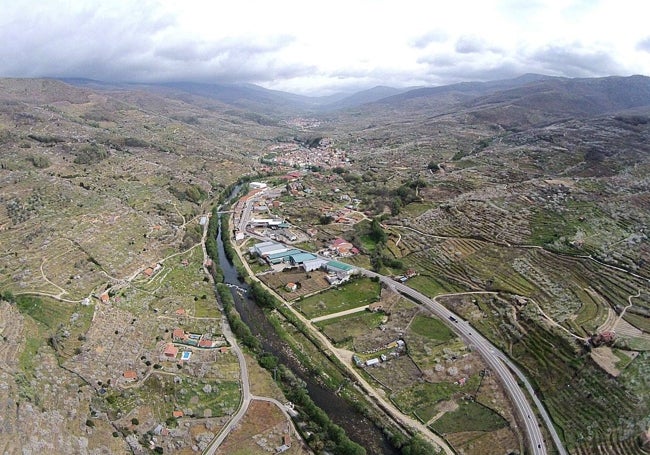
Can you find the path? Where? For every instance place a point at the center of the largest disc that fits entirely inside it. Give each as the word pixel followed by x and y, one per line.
pixel 340 313
pixel 554 323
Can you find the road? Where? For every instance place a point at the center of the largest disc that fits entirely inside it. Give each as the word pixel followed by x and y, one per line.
pixel 244 384
pixel 498 362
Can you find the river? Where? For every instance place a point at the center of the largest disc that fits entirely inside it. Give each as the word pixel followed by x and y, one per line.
pixel 358 427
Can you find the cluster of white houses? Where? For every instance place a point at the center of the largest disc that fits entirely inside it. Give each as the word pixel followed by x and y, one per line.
pixel 274 253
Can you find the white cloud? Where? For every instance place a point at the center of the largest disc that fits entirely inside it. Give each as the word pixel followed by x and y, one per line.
pixel 308 46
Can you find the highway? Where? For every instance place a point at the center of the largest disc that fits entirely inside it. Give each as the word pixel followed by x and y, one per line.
pixel 498 362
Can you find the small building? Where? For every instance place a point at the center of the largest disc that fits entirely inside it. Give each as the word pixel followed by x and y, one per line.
pixel 104 297
pixel 336 266
pixel 170 351
pixel 257 185
pixel 371 362
pixel 148 271
pixel 341 246
pixel 179 335
pixel 180 312
pixel 205 343
pixel 291 287
pixel 410 273
pixel 178 414
pixel 130 374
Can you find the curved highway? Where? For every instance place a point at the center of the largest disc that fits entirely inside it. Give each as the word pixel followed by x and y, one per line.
pixel 498 362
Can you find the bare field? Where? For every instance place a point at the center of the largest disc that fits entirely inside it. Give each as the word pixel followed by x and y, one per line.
pixel 308 283
pixel 261 431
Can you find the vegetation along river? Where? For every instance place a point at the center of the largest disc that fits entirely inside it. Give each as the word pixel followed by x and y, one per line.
pixel 358 427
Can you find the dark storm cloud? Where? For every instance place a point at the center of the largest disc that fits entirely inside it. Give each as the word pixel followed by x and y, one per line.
pixel 574 61
pixel 131 43
pixel 84 42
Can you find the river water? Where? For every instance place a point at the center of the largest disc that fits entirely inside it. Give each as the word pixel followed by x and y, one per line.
pixel 358 427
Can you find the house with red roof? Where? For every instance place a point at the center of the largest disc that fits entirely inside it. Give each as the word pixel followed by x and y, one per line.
pixel 179 335
pixel 170 351
pixel 130 374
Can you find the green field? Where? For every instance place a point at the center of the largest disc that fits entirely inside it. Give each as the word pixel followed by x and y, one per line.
pixel 356 293
pixel 345 328
pixel 421 399
pixel 431 328
pixel 430 286
pixel 470 416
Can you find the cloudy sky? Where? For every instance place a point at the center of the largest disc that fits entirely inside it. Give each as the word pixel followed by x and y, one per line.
pixel 318 47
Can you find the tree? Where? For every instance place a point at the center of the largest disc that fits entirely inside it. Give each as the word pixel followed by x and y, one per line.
pixel 433 166
pixel 377 232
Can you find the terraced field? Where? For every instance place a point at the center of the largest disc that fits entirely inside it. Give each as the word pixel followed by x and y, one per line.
pixel 586 404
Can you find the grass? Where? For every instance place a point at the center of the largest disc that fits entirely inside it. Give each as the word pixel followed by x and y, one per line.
pixel 638 321
pixel 420 399
pixel 222 400
pixel 623 359
pixel 345 328
pixel 431 328
pixel 470 416
pixel 206 308
pixel 26 358
pixel 588 311
pixel 416 209
pixel 430 286
pixel 356 293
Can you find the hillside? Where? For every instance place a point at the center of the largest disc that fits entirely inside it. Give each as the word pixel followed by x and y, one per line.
pixel 535 189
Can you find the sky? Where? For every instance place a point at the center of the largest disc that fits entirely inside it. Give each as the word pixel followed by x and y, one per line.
pixel 320 47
